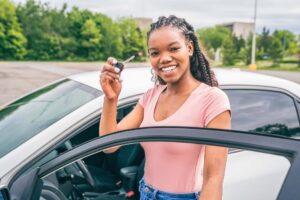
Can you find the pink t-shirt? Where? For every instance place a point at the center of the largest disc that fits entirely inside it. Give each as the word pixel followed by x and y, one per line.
pixel 178 167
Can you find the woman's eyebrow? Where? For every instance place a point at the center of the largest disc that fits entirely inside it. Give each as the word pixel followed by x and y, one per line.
pixel 172 43
pixel 152 49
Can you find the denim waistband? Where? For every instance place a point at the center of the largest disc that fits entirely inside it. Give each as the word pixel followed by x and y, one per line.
pixel 153 193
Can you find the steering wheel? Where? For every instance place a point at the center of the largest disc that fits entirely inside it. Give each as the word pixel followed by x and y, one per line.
pixel 83 168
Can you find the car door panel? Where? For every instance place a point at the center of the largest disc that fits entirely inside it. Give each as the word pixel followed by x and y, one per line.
pixel 249 141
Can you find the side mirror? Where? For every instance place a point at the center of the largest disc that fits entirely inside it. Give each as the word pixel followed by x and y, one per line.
pixel 4 194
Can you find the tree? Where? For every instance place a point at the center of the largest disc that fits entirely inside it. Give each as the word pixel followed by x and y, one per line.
pixel 276 52
pixel 213 38
pixel 77 19
pixel 239 45
pixel 30 17
pixel 12 40
pixel 132 38
pixel 229 52
pixel 90 41
pixel 112 44
pixel 264 42
pixel 298 49
pixel 287 40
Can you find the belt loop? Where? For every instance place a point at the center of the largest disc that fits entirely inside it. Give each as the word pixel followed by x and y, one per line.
pixel 154 194
pixel 197 195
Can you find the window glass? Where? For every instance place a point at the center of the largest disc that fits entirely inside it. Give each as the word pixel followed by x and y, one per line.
pixel 298 104
pixel 33 113
pixel 263 111
pixel 82 137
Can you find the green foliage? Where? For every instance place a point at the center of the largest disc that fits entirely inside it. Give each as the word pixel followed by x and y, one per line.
pixel 248 50
pixel 276 53
pixel 55 34
pixel 264 44
pixel 112 44
pixel 287 40
pixel 90 40
pixel 132 37
pixel 36 31
pixel 229 52
pixel 298 50
pixel 12 41
pixel 275 46
pixel 214 37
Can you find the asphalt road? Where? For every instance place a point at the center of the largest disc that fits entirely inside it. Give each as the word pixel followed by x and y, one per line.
pixel 19 78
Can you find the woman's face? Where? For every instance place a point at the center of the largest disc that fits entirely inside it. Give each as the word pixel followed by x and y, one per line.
pixel 169 54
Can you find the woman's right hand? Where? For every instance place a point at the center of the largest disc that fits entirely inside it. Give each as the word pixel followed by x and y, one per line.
pixel 110 79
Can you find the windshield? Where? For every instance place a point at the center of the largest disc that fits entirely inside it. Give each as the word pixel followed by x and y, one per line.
pixel 26 117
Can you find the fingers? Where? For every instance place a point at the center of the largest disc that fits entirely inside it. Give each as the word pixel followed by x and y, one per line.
pixel 107 75
pixel 111 60
pixel 109 66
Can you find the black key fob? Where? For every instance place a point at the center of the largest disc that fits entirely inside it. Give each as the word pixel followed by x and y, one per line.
pixel 120 66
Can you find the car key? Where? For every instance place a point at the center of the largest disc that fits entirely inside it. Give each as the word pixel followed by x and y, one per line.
pixel 121 65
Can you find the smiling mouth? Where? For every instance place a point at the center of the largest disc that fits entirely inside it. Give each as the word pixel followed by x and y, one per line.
pixel 168 69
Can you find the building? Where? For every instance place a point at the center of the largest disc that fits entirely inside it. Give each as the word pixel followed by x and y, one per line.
pixel 240 29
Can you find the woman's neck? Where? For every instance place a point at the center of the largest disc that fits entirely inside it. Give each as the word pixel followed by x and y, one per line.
pixel 182 87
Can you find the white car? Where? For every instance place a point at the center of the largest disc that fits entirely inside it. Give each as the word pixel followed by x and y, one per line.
pixel 38 127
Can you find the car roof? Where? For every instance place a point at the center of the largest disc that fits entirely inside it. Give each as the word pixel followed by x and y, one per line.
pixel 138 79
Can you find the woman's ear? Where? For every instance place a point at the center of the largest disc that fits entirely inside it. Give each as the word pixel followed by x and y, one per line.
pixel 190 48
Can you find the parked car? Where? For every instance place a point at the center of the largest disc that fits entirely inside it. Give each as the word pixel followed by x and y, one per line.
pixel 56 118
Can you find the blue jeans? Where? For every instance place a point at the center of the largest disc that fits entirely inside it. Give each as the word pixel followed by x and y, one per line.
pixel 147 192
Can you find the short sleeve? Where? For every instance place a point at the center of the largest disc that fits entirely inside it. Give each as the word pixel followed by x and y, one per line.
pixel 218 102
pixel 146 97
pixel 142 100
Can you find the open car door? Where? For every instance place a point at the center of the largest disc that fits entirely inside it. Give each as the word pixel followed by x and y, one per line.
pixel 271 166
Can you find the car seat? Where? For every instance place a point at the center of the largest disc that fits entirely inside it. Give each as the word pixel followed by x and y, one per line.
pixel 109 176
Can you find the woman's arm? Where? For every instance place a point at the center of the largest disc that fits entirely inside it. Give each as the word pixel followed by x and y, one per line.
pixel 215 162
pixel 111 87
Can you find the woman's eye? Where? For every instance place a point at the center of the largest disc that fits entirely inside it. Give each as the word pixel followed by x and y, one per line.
pixel 153 53
pixel 174 49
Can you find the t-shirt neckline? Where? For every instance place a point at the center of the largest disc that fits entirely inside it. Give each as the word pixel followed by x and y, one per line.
pixel 180 107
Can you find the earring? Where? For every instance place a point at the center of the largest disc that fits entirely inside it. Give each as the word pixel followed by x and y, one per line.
pixel 154 76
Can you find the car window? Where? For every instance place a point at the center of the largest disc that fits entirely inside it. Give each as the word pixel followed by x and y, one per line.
pixel 93 131
pixel 263 111
pixel 298 104
pixel 120 172
pixel 87 134
pixel 33 113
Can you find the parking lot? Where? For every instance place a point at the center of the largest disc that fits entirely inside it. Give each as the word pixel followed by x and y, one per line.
pixel 19 78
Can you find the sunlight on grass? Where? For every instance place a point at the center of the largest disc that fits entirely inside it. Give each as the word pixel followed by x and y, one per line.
pixel 263 65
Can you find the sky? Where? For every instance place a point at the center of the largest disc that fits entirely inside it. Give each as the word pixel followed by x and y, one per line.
pixel 272 14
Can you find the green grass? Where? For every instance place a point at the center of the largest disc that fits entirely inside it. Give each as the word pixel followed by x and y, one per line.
pixel 263 65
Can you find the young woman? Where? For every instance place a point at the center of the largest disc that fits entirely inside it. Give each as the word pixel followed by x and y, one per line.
pixel 186 94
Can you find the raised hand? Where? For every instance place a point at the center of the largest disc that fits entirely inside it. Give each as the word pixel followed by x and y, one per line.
pixel 110 79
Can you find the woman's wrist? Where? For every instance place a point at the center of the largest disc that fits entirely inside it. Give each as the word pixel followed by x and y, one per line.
pixel 113 100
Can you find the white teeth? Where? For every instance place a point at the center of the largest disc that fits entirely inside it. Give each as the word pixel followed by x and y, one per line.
pixel 168 69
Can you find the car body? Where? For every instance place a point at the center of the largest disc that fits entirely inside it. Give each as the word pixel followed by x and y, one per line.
pixel 260 103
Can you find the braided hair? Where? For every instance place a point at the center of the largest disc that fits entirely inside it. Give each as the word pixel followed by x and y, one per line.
pixel 199 64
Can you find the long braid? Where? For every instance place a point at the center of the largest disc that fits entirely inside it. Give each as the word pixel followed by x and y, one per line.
pixel 200 68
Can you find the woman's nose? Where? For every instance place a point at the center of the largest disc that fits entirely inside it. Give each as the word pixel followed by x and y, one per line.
pixel 165 58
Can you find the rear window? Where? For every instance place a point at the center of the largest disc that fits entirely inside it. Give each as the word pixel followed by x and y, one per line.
pixel 33 113
pixel 264 112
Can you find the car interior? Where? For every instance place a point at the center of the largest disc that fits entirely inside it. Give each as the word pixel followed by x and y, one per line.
pixel 100 176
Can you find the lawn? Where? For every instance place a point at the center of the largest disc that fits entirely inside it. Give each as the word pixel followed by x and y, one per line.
pixel 264 65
